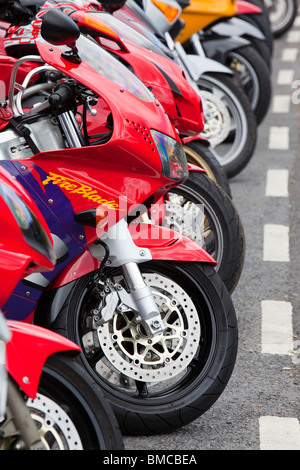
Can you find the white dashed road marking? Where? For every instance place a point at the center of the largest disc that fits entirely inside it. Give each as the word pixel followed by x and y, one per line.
pixel 285 77
pixel 281 103
pixel 276 243
pixel 278 433
pixel 277 183
pixel 279 138
pixel 289 54
pixel 276 327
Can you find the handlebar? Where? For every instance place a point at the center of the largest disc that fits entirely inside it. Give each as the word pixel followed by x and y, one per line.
pixel 62 97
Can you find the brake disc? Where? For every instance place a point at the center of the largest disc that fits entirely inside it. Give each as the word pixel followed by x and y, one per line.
pixel 131 354
pixel 185 217
pixel 54 425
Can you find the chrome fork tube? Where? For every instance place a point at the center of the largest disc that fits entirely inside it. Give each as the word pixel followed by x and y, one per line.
pixel 71 129
pixel 143 298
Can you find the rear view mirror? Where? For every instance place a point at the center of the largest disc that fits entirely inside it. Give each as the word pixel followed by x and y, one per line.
pixel 59 29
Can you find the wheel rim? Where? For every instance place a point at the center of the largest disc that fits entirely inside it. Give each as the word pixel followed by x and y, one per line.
pixel 279 12
pixel 57 430
pixel 230 149
pixel 138 356
pixel 247 76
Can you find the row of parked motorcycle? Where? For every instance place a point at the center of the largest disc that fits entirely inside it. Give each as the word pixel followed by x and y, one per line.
pixel 121 124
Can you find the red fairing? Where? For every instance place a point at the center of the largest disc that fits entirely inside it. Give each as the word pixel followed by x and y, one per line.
pixel 184 107
pixel 17 258
pixel 121 173
pixel 29 348
pixel 163 76
pixel 247 8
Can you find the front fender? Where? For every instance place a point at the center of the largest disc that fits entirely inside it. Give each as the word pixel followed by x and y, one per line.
pixel 161 242
pixel 237 27
pixel 205 142
pixel 247 8
pixel 197 66
pixel 166 244
pixel 217 47
pixel 27 351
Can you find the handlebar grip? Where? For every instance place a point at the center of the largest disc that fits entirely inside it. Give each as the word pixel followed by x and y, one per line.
pixel 62 96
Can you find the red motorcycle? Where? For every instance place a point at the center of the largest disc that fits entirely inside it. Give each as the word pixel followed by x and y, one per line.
pixel 220 231
pixel 157 326
pixel 47 400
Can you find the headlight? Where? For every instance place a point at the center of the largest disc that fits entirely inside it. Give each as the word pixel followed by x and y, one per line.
pixel 33 232
pixel 172 156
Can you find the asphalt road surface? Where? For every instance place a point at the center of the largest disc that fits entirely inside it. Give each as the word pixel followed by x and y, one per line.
pixel 260 406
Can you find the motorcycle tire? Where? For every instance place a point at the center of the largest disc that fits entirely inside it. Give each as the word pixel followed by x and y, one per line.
pixel 235 152
pixel 251 69
pixel 199 154
pixel 202 211
pixel 70 411
pixel 156 385
pixel 282 22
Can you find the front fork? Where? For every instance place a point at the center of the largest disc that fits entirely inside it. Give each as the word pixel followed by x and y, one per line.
pixel 18 431
pixel 123 253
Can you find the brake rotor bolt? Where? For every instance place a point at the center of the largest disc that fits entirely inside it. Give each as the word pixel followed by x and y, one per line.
pixel 149 341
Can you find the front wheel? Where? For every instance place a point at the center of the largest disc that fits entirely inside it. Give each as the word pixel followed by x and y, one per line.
pixel 158 384
pixel 230 123
pixel 200 155
pixel 203 212
pixel 251 69
pixel 70 411
pixel 282 15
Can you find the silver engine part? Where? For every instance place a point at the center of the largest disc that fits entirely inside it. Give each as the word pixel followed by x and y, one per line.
pixel 45 133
